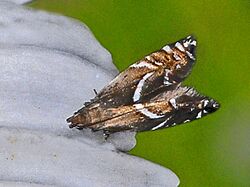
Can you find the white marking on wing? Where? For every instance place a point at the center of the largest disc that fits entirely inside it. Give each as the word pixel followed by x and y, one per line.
pixel 206 102
pixel 167 71
pixel 138 89
pixel 179 46
pixel 161 124
pixel 167 83
pixel 166 78
pixel 205 112
pixel 193 43
pixel 199 115
pixel 167 49
pixel 186 43
pixel 215 105
pixel 186 121
pixel 138 106
pixel 176 57
pixel 189 42
pixel 142 64
pixel 190 55
pixel 191 92
pixel 158 63
pixel 146 112
pixel 178 66
pixel 173 102
pixel 149 114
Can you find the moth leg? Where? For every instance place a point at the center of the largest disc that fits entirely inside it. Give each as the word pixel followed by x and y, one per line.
pixel 79 128
pixel 106 134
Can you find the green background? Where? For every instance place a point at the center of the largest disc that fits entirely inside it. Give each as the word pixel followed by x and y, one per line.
pixel 213 151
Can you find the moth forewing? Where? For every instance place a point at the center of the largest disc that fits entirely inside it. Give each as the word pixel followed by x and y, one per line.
pixel 134 117
pixel 163 68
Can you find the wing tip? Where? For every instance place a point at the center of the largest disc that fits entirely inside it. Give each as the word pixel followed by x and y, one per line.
pixel 187 45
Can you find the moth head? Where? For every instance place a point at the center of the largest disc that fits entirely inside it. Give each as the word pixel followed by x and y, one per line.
pixel 77 120
pixel 190 105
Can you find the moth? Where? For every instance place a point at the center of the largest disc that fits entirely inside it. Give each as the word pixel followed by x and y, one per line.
pixel 148 95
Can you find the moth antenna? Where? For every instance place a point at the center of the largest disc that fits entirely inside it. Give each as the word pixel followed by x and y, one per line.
pixel 95 91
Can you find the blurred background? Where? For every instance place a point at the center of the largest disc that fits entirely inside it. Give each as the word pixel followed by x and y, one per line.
pixel 213 151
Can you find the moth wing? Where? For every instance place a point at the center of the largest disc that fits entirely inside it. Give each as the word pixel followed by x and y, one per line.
pixel 163 111
pixel 164 68
pixel 187 105
pixel 138 117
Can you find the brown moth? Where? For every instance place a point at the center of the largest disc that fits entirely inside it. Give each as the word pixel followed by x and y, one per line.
pixel 148 95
